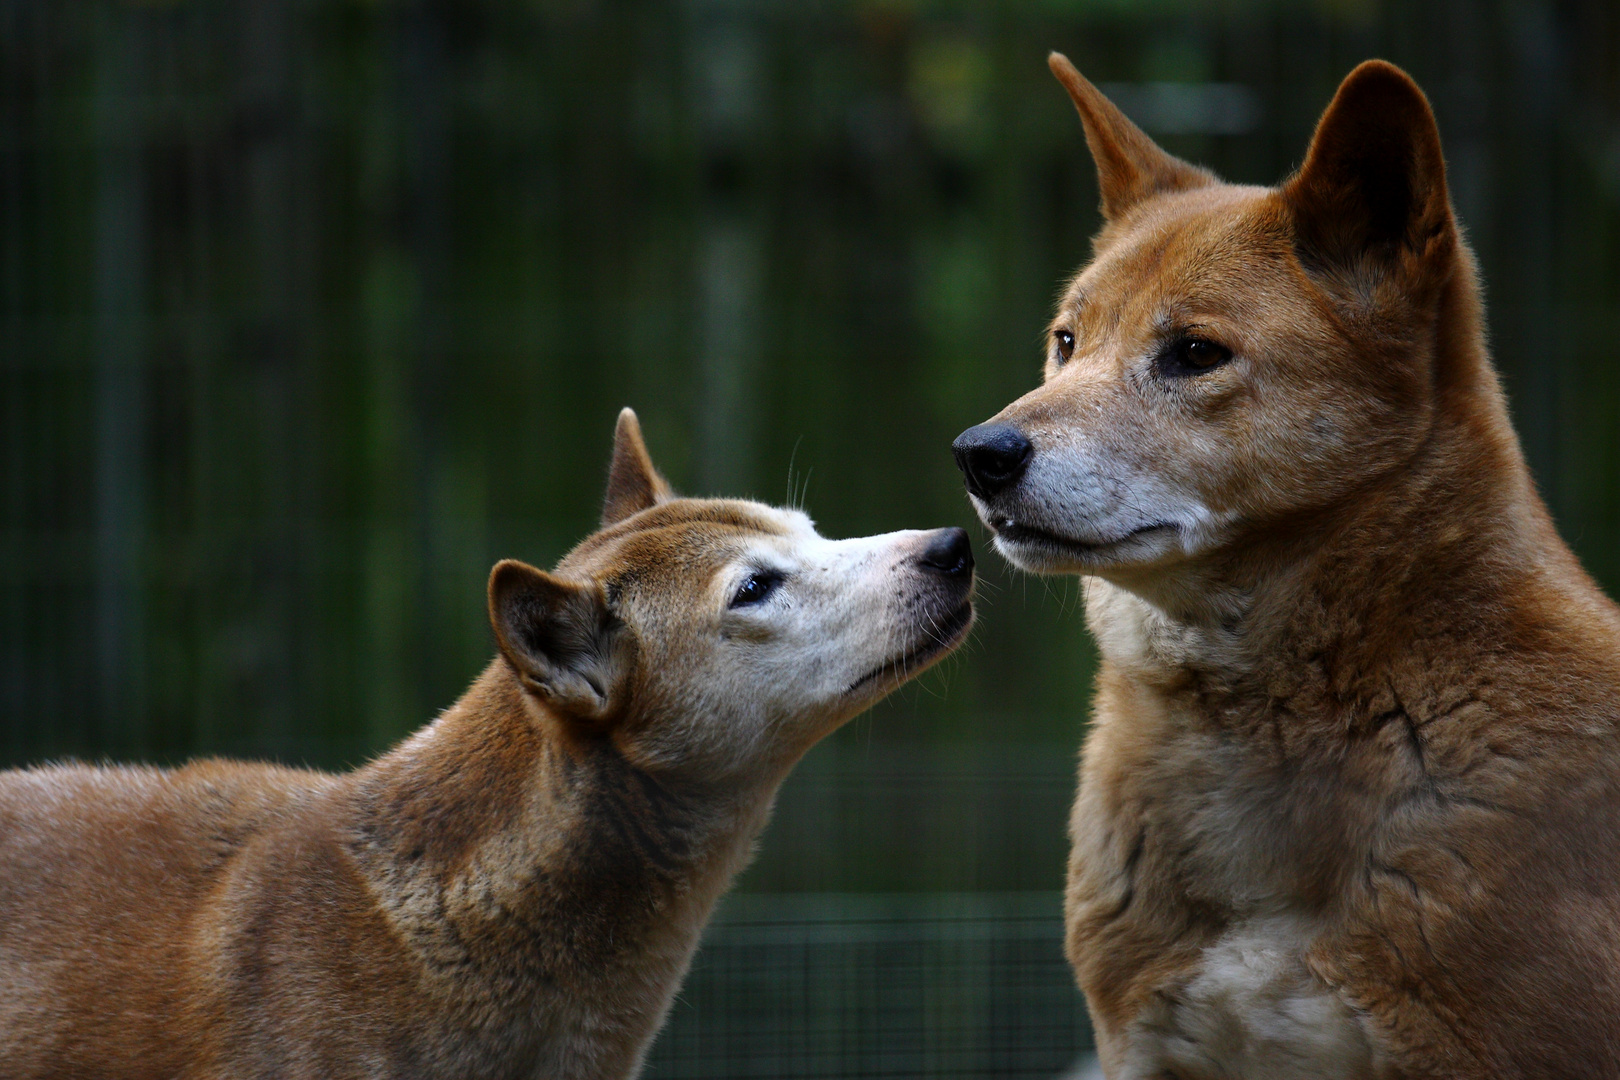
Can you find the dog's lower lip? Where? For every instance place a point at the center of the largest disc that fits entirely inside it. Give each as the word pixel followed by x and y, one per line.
pixel 941 638
pixel 1008 529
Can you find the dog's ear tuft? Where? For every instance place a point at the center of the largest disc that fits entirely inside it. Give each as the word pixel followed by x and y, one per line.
pixel 1374 178
pixel 633 483
pixel 558 637
pixel 1130 166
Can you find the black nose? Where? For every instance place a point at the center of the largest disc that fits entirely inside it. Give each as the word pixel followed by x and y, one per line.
pixel 948 552
pixel 991 457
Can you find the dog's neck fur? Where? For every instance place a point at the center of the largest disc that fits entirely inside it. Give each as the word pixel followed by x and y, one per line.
pixel 1326 601
pixel 532 870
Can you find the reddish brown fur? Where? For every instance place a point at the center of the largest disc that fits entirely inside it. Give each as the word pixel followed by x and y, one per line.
pixel 1371 724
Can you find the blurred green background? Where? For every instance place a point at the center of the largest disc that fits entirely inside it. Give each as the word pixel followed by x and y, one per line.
pixel 313 310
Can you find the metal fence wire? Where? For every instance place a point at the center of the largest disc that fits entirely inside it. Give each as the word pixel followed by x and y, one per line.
pixel 936 985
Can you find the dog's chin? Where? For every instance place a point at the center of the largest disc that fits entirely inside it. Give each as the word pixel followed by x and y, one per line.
pixel 933 643
pixel 1042 551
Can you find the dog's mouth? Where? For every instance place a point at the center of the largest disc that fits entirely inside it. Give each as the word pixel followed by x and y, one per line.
pixel 1012 532
pixel 939 639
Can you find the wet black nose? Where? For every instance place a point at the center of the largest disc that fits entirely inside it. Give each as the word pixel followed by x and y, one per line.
pixel 948 552
pixel 991 457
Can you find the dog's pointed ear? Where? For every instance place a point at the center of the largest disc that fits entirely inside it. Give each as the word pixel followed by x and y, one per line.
pixel 558 637
pixel 1374 178
pixel 1130 166
pixel 633 483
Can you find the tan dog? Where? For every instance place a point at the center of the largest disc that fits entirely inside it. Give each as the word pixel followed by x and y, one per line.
pixel 514 891
pixel 1351 803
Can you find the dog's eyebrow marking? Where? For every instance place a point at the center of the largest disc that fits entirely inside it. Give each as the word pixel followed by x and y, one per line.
pixel 730 516
pixel 708 512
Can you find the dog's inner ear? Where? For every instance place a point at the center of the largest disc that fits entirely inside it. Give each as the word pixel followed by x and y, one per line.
pixel 1130 166
pixel 1374 179
pixel 557 635
pixel 633 483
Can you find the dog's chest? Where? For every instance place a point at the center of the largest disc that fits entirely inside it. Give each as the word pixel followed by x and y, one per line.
pixel 1247 1006
pixel 1190 879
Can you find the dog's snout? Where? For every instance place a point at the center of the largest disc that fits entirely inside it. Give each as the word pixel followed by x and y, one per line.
pixel 948 552
pixel 992 457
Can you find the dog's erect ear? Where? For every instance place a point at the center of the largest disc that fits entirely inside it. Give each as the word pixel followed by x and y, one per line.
pixel 633 483
pixel 1374 179
pixel 558 637
pixel 1130 166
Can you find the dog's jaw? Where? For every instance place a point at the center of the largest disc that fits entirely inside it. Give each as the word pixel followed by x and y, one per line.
pixel 937 639
pixel 1031 543
pixel 1042 551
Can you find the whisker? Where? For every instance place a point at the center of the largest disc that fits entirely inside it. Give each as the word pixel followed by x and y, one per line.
pixel 792 498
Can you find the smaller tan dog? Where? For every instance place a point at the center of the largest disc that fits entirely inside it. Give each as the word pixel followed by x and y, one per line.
pixel 517 889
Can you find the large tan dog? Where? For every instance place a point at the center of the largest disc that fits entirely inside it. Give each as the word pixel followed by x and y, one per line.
pixel 514 891
pixel 1350 806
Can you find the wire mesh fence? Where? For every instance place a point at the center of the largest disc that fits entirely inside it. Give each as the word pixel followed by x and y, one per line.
pixel 933 985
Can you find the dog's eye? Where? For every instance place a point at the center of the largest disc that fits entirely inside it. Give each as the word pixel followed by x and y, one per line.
pixel 1193 356
pixel 756 588
pixel 1065 344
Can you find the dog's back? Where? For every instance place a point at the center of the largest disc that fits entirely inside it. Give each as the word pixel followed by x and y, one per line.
pixel 110 874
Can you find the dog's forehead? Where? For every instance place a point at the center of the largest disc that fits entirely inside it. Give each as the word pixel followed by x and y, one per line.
pixel 1178 242
pixel 683 539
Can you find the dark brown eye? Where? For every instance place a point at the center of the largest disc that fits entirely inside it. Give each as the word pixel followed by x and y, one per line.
pixel 1065 344
pixel 756 589
pixel 1193 356
pixel 1204 354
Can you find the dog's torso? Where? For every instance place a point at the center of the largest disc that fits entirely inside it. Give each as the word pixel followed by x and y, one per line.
pixel 1438 894
pixel 229 920
pixel 1168 881
pixel 106 899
